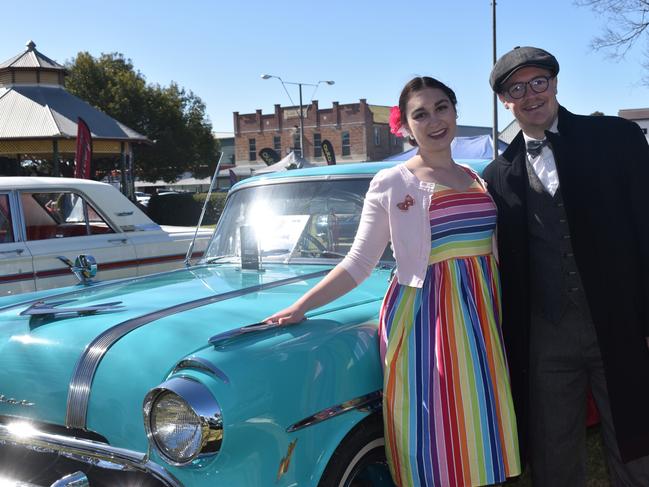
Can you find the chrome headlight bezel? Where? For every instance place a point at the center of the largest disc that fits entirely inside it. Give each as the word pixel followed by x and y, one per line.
pixel 202 403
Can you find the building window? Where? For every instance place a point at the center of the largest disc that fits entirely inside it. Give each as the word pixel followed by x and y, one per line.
pixel 377 136
pixel 317 145
pixel 345 143
pixel 296 144
pixel 252 150
pixel 277 144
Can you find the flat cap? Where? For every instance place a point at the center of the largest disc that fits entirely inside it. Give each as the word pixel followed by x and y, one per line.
pixel 518 58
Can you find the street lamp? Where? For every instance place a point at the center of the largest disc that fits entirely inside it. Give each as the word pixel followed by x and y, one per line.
pixel 301 114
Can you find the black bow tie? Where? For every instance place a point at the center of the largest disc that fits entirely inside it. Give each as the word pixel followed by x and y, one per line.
pixel 534 147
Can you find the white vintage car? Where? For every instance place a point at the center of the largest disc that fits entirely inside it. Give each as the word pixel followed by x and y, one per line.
pixel 46 221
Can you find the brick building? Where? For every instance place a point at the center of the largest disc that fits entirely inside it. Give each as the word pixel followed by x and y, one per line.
pixel 358 132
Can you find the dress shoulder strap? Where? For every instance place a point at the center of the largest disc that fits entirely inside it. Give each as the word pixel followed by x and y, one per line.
pixel 475 176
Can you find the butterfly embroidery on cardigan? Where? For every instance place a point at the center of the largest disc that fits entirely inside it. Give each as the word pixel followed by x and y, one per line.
pixel 407 203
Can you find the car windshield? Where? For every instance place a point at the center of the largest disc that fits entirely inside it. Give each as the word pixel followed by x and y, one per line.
pixel 299 221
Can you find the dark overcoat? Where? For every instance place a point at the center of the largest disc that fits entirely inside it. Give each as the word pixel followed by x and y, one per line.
pixel 603 168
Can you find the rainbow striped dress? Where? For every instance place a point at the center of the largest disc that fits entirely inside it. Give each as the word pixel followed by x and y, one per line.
pixel 449 416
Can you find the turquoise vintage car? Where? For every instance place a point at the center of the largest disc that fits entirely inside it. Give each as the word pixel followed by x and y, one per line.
pixel 172 380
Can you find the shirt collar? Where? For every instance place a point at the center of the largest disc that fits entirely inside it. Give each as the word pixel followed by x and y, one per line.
pixel 553 128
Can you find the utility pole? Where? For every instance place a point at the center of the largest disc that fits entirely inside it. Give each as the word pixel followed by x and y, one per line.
pixel 301 112
pixel 494 133
pixel 302 156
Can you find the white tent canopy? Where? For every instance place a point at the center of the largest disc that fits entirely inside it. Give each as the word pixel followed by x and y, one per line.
pixel 290 160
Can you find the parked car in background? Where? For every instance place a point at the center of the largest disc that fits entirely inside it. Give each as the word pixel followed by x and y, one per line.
pixel 42 219
pixel 173 379
pixel 142 198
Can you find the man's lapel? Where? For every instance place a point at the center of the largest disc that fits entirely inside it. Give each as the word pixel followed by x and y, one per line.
pixel 566 159
pixel 515 173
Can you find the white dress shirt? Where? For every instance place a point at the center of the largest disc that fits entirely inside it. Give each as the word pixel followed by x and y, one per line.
pixel 544 165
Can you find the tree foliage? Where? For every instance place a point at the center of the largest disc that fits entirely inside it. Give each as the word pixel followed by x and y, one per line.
pixel 171 117
pixel 628 24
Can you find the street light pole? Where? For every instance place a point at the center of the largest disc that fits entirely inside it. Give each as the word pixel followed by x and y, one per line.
pixel 494 133
pixel 300 113
pixel 301 125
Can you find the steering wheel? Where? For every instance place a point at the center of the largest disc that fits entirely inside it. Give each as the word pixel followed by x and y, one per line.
pixel 311 239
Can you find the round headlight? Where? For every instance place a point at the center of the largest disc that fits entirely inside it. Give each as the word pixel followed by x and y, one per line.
pixel 183 421
pixel 175 428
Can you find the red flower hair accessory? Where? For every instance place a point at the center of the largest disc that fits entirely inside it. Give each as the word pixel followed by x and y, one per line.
pixel 395 122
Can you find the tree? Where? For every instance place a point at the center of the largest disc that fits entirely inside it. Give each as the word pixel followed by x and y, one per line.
pixel 597 113
pixel 629 23
pixel 173 118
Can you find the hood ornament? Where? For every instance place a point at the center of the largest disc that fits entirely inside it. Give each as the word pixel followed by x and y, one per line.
pixel 84 267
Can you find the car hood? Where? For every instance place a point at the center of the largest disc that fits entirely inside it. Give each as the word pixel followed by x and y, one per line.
pixel 171 315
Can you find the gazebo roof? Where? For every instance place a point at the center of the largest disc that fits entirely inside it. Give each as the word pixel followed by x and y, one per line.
pixel 36 110
pixel 31 58
pixel 32 111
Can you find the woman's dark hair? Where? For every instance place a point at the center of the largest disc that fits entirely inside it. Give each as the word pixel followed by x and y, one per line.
pixel 417 84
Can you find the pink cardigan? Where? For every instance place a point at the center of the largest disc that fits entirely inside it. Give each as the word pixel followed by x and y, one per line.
pixel 383 221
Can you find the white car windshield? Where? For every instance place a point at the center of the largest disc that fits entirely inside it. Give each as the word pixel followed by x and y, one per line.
pixel 297 221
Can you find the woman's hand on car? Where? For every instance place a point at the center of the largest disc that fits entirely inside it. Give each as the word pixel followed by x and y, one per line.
pixel 288 316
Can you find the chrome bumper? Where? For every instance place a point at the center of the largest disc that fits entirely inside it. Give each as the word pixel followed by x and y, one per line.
pixel 23 435
pixel 76 479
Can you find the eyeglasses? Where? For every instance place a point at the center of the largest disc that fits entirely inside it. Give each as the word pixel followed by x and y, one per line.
pixel 538 85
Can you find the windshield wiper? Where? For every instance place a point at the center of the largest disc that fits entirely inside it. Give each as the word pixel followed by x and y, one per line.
pixel 265 253
pixel 212 260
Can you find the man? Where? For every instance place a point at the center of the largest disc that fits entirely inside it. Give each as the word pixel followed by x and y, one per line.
pixel 573 231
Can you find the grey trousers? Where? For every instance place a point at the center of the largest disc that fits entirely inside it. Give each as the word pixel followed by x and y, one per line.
pixel 564 362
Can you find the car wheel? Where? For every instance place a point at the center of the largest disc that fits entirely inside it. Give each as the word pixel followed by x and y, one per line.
pixel 359 461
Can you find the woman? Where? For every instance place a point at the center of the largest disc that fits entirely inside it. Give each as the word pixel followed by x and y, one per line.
pixel 448 414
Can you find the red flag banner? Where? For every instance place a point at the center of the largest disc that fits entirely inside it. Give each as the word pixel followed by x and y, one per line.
pixel 83 155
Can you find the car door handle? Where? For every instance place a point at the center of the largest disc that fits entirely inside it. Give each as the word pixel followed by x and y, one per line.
pixel 14 251
pixel 118 240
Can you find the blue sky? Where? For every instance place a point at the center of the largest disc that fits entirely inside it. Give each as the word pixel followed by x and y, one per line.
pixel 219 49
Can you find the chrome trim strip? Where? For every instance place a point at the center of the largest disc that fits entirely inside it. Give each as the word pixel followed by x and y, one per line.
pixel 369 402
pixel 76 479
pixel 43 309
pixel 86 451
pixel 14 251
pixel 199 363
pixel 84 371
pixel 205 407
